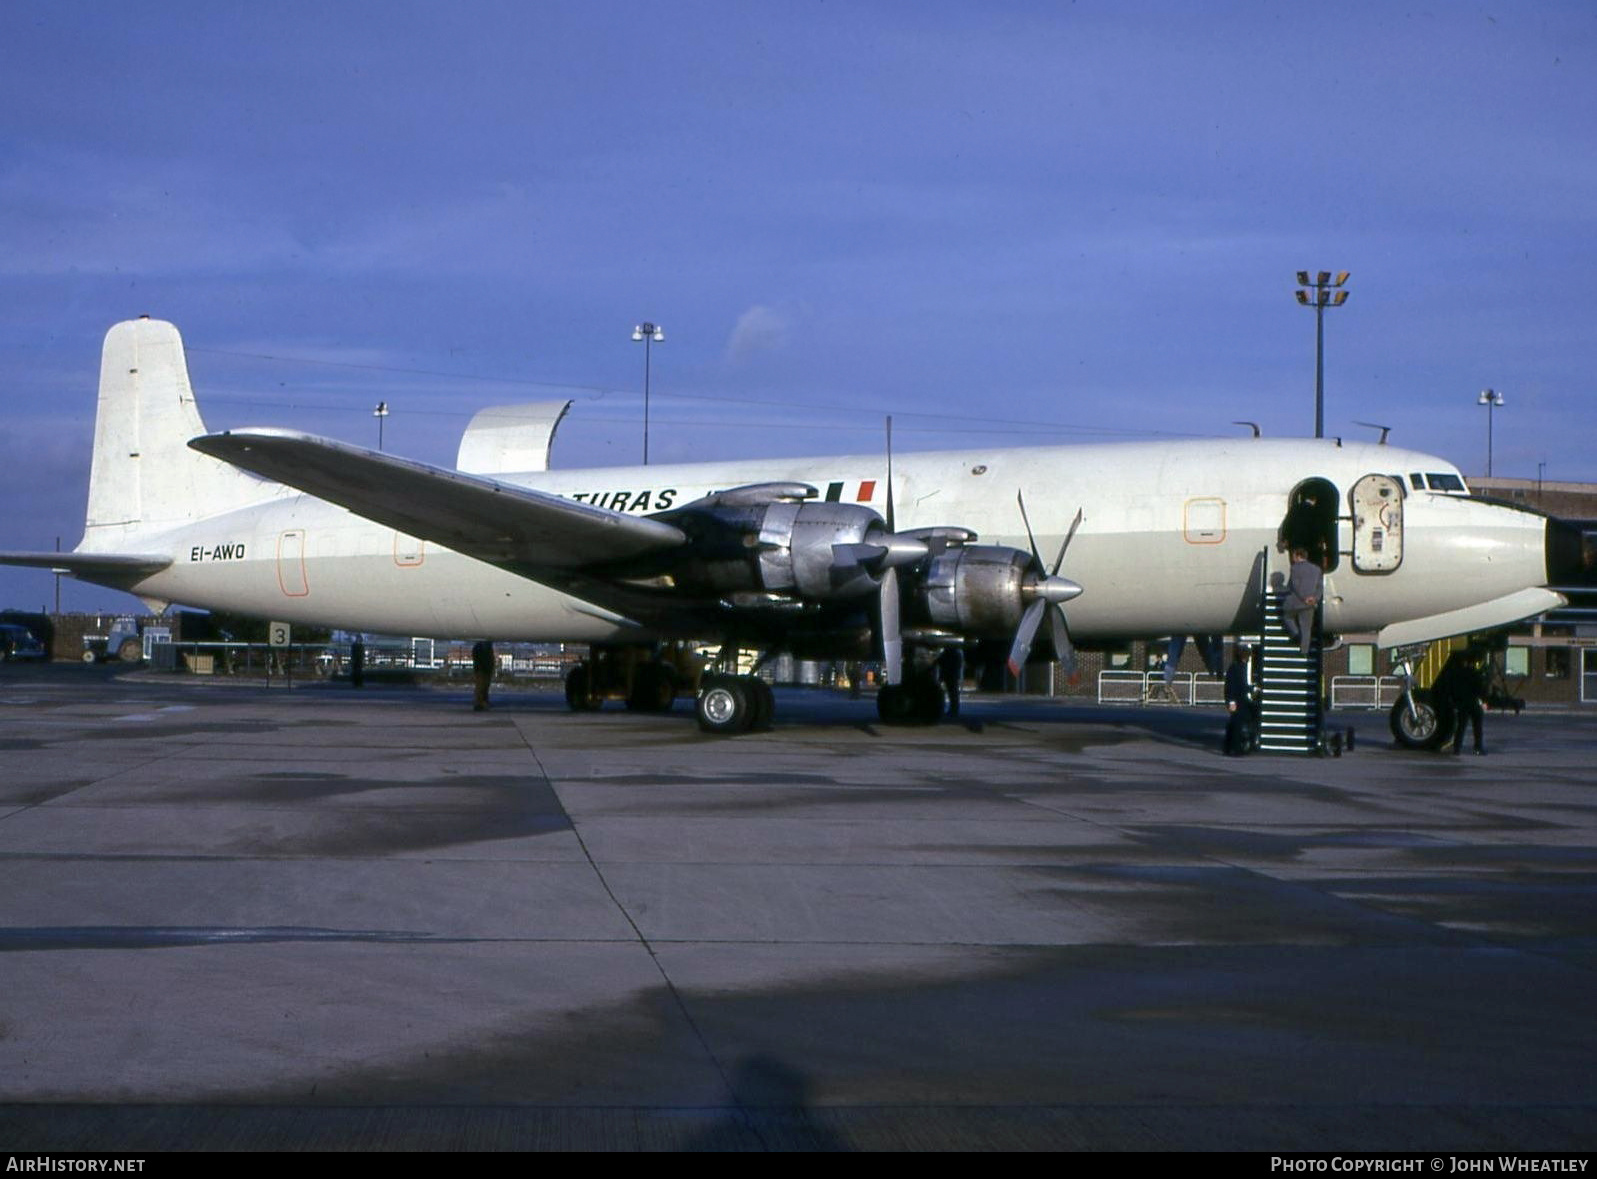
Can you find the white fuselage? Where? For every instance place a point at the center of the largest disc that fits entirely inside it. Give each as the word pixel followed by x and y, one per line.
pixel 1170 542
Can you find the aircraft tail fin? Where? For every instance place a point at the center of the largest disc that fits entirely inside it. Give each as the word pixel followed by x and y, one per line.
pixel 144 476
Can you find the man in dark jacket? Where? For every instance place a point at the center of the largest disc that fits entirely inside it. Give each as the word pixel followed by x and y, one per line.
pixel 1460 687
pixel 1240 725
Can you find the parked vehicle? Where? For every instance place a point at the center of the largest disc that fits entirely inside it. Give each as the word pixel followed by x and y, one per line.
pixel 18 642
pixel 124 643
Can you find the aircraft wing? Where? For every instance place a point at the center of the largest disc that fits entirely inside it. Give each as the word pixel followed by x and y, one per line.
pixel 492 521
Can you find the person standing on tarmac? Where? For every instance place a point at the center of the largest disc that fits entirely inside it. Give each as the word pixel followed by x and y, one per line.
pixel 1460 687
pixel 1239 726
pixel 951 671
pixel 482 673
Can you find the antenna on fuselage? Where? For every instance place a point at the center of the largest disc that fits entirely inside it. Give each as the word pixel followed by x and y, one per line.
pixel 1385 430
pixel 1254 425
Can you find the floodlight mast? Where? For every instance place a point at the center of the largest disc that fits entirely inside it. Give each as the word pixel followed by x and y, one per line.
pixel 1491 399
pixel 648 334
pixel 1319 294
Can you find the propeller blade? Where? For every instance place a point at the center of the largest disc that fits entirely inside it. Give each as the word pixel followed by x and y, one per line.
pixel 890 525
pixel 863 553
pixel 1031 539
pixel 1024 634
pixel 892 636
pixel 1069 536
pixel 1064 649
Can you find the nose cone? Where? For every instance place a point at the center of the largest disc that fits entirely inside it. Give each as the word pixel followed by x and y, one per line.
pixel 1572 554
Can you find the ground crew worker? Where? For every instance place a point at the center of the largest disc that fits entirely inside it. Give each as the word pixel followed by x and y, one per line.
pixel 1460 686
pixel 482 673
pixel 1241 724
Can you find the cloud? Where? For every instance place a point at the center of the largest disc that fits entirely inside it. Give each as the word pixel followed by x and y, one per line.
pixel 759 329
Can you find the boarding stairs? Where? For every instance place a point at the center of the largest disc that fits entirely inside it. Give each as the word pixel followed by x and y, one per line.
pixel 1291 710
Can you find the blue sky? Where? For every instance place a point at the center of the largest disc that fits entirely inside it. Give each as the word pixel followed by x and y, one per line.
pixel 1002 223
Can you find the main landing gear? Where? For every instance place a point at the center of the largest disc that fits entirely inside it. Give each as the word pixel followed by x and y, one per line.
pixel 729 704
pixel 919 700
pixel 645 678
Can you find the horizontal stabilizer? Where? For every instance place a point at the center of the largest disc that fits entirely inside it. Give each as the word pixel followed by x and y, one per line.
pixel 117 570
pixel 1514 607
pixel 481 517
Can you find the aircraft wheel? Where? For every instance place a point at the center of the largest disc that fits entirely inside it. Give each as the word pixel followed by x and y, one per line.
pixel 927 700
pixel 1426 727
pixel 579 689
pixel 724 706
pixel 763 703
pixel 895 705
pixel 653 689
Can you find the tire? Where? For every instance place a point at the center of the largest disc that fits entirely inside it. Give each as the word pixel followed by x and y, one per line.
pixel 724 706
pixel 927 700
pixel 1427 728
pixel 762 702
pixel 90 657
pixel 895 705
pixel 579 696
pixel 130 650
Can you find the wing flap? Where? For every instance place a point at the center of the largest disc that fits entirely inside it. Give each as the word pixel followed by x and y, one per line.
pixel 481 517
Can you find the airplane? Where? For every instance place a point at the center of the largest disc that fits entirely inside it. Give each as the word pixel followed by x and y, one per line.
pixel 892 557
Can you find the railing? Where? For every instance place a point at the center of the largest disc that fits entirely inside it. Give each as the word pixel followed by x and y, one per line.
pixel 1148 687
pixel 1195 688
pixel 1365 691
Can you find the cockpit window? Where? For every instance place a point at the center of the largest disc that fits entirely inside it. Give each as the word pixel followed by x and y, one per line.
pixel 1417 481
pixel 1445 482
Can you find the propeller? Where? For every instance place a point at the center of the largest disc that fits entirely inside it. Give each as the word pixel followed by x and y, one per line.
pixel 892 632
pixel 1045 588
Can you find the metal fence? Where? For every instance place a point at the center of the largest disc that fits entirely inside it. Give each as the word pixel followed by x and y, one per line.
pixel 1195 688
pixel 1148 687
pixel 1365 691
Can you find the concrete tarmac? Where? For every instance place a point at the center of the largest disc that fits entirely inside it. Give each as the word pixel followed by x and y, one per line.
pixel 320 918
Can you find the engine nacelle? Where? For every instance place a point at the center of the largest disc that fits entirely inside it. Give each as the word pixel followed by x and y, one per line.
pixel 975 590
pixel 784 548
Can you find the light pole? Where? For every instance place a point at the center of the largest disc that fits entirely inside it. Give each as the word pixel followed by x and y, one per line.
pixel 650 334
pixel 1320 294
pixel 380 413
pixel 1491 399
